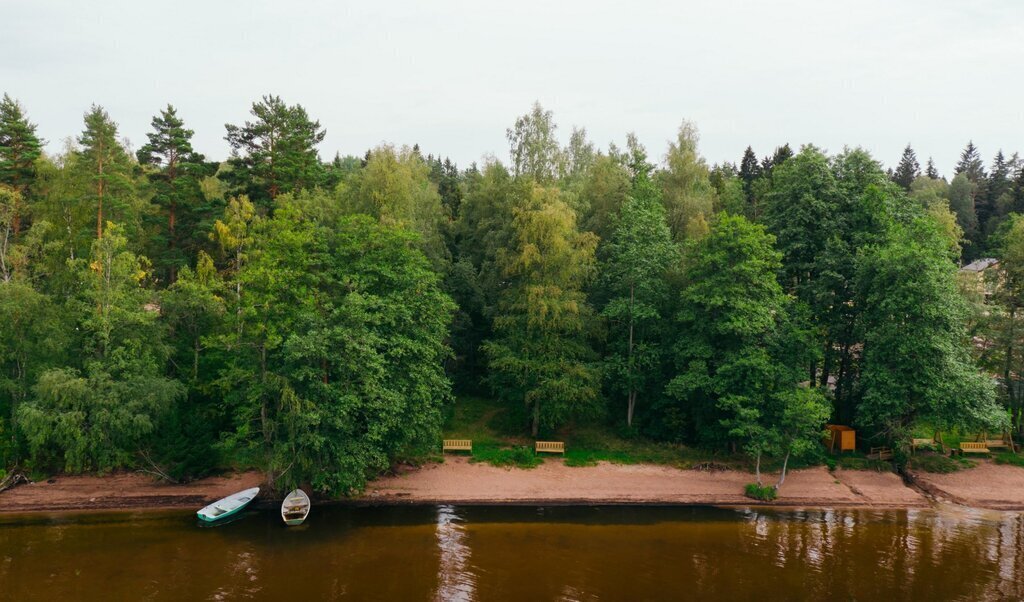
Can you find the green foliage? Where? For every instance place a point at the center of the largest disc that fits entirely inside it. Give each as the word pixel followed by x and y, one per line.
pixel 1010 458
pixel 533 146
pixel 275 153
pixel 765 493
pixel 639 255
pixel 20 147
pixel 936 463
pixel 106 167
pixel 686 187
pixel 518 456
pixel 174 171
pixel 336 350
pixel 540 356
pixel 395 187
pixel 97 415
pixel 916 361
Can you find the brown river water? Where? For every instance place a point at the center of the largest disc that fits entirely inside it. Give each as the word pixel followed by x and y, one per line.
pixel 518 553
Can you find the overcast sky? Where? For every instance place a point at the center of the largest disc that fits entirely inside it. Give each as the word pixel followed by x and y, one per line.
pixel 453 75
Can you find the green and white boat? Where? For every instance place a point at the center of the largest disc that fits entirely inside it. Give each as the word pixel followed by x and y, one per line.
pixel 229 506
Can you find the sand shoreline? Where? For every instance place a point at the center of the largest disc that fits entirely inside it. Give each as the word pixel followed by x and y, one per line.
pixel 457 481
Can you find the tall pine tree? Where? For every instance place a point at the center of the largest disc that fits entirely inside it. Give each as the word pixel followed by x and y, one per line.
pixel 176 169
pixel 107 165
pixel 19 149
pixel 275 153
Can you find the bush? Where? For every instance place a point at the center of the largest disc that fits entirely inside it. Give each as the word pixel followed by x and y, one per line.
pixel 939 464
pixel 1010 458
pixel 765 493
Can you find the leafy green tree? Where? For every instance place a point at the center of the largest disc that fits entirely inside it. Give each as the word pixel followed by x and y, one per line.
pixel 962 195
pixel 729 194
pixel 737 350
pixel 578 157
pixel 685 185
pixel 916 357
pixel 908 169
pixel 539 356
pixel 20 147
pixel 176 170
pixel 97 416
pixel 337 364
pixel 105 163
pixel 801 211
pixel 639 256
pixel 603 193
pixel 1003 320
pixel 534 148
pixel 275 153
pixel 395 187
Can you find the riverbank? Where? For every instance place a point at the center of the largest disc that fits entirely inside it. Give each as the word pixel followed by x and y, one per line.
pixel 123 491
pixel 459 481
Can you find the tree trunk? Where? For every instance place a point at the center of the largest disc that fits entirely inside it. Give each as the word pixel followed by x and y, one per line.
pixel 195 359
pixel 782 477
pixel 629 362
pixel 99 203
pixel 757 469
pixel 630 409
pixel 535 428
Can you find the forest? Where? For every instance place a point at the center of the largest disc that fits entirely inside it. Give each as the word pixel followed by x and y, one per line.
pixel 316 319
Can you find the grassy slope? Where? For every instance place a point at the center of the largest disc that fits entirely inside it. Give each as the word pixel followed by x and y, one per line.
pixel 499 439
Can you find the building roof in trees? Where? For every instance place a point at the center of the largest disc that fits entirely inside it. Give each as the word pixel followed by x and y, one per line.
pixel 980 265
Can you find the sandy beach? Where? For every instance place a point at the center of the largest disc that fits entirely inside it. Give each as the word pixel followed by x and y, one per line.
pixel 458 481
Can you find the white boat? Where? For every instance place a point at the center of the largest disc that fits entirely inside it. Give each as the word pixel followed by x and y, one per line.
pixel 295 507
pixel 223 508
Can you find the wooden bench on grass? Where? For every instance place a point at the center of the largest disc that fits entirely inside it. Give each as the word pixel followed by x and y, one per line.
pixel 880 453
pixel 551 447
pixel 973 447
pixel 457 445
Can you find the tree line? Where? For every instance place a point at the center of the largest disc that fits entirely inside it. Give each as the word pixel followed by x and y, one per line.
pixel 312 318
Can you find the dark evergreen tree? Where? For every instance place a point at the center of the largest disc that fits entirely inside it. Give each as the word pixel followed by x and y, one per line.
pixel 175 173
pixel 970 163
pixel 19 149
pixel 907 170
pixel 930 171
pixel 750 170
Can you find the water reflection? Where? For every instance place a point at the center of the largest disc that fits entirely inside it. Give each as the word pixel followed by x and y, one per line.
pixel 455 581
pixel 493 553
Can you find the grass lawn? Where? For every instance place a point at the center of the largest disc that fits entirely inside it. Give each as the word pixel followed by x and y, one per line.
pixel 499 438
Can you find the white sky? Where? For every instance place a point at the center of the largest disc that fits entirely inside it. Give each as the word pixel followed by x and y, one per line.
pixel 452 75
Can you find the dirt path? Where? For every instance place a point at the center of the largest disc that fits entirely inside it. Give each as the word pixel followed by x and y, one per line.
pixel 459 481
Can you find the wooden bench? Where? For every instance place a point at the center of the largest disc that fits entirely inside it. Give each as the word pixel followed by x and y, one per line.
pixel 991 443
pixel 880 453
pixel 973 447
pixel 551 447
pixel 457 445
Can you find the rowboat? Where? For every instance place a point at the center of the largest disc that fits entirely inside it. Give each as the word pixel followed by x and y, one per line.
pixel 231 505
pixel 295 507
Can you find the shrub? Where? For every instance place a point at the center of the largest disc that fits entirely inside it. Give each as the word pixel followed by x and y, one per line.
pixel 1010 458
pixel 765 493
